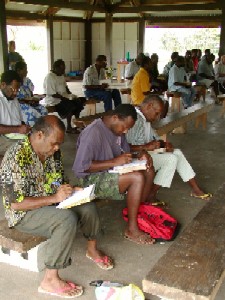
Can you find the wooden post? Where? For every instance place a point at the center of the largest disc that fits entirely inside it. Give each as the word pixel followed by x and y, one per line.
pixel 88 44
pixel 108 37
pixel 222 33
pixel 3 39
pixel 50 44
pixel 141 35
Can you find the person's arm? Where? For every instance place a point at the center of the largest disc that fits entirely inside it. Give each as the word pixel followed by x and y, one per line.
pixel 23 129
pixel 30 203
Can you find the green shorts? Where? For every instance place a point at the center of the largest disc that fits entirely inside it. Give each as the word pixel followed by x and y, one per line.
pixel 106 185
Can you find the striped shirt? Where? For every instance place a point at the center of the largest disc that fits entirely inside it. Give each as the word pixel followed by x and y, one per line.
pixel 142 132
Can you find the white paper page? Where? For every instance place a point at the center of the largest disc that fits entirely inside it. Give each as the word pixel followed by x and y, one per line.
pixel 86 195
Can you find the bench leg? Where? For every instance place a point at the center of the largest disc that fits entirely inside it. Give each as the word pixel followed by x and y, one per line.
pixel 91 109
pixel 175 104
pixel 201 119
pixel 222 112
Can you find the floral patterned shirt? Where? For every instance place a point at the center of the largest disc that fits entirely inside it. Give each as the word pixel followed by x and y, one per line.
pixel 24 175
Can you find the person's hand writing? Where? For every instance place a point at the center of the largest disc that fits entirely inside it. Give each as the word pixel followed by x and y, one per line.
pixel 153 145
pixel 77 188
pixel 23 129
pixel 124 158
pixel 64 191
pixel 143 155
pixel 169 147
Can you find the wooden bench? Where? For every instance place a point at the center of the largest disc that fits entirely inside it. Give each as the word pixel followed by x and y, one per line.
pixel 193 266
pixel 18 248
pixel 197 112
pixel 86 120
pixel 200 91
pixel 221 99
pixel 126 91
pixel 175 100
pixel 91 106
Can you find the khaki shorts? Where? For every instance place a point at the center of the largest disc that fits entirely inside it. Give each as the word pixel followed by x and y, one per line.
pixel 106 185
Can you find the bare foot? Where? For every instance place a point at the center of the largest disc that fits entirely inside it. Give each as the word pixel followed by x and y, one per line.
pixel 139 237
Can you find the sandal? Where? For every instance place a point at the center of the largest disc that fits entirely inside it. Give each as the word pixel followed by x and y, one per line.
pixel 70 291
pixel 105 262
pixel 203 197
pixel 142 239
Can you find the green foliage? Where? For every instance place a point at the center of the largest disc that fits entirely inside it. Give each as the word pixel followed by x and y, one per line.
pixel 35 47
pixel 199 39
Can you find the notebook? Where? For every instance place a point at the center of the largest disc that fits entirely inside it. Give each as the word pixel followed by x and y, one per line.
pixel 135 165
pixel 79 197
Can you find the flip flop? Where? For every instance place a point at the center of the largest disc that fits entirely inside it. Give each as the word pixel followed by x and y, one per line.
pixel 206 196
pixel 64 292
pixel 105 262
pixel 142 239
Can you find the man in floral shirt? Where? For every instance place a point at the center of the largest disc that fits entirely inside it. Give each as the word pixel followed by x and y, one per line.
pixel 33 167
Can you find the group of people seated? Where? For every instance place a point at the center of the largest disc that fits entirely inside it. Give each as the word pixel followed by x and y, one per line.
pixel 34 166
pixel 178 75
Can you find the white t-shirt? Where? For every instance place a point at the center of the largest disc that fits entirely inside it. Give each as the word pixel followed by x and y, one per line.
pixel 176 75
pixel 91 76
pixel 131 69
pixel 54 84
pixel 10 111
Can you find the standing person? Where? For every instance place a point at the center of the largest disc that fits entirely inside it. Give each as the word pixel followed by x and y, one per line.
pixel 33 168
pixel 101 146
pixel 59 95
pixel 31 109
pixel 143 137
pixel 141 85
pixel 177 82
pixel 93 88
pixel 13 56
pixel 11 118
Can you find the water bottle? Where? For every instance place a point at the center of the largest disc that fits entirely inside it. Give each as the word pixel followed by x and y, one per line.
pixel 128 56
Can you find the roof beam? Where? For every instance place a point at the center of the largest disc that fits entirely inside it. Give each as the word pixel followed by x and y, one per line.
pixel 64 4
pixel 150 8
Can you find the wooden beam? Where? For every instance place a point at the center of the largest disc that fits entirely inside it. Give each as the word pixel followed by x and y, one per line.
pixel 50 44
pixel 108 37
pixel 222 34
pixel 141 35
pixel 63 4
pixel 151 8
pixel 3 38
pixel 88 44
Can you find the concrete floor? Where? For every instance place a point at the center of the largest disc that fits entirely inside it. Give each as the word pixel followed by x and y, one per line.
pixel 205 151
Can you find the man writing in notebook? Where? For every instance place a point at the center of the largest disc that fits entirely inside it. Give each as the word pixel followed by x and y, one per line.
pixel 101 146
pixel 143 137
pixel 34 168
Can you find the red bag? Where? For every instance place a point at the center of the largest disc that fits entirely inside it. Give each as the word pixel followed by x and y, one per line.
pixel 155 221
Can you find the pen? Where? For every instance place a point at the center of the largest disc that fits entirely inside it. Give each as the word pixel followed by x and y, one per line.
pixel 122 151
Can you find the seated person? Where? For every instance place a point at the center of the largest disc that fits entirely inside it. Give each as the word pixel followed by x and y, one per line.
pixel 101 146
pixel 177 82
pixel 33 167
pixel 93 88
pixel 194 57
pixel 13 56
pixel 220 74
pixel 141 85
pixel 206 75
pixel 169 65
pixel 158 85
pixel 133 67
pixel 189 66
pixel 143 137
pixel 11 119
pixel 31 109
pixel 58 95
